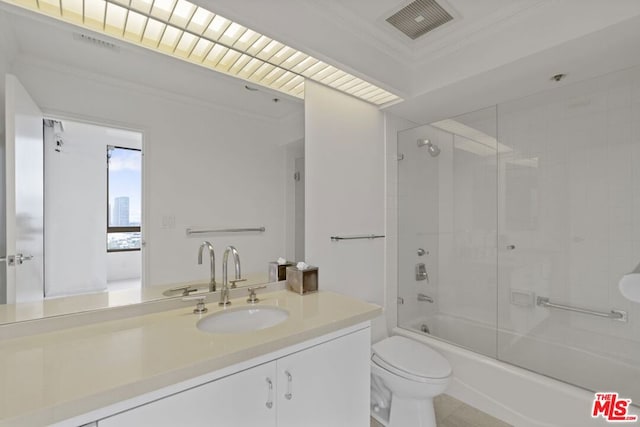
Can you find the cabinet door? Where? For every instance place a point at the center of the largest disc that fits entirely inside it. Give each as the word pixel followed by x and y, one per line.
pixel 239 400
pixel 326 385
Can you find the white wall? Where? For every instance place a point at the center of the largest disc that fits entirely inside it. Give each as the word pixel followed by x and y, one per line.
pixel 205 165
pixel 345 182
pixel 124 265
pixel 75 220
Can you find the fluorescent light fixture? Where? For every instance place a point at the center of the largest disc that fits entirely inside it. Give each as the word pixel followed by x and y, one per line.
pixel 191 33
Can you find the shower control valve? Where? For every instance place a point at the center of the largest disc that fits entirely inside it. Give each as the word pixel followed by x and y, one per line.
pixel 421 272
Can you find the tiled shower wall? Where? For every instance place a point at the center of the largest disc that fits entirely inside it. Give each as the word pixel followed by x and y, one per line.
pixel 570 203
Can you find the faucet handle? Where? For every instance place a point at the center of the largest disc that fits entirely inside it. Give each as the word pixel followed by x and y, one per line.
pixel 252 294
pixel 186 290
pixel 233 282
pixel 200 307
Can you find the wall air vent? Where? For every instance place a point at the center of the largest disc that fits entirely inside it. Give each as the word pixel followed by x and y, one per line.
pixel 419 17
pixel 95 41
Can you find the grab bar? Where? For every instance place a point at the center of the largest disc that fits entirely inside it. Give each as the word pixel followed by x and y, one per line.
pixel 191 231
pixel 363 236
pixel 618 315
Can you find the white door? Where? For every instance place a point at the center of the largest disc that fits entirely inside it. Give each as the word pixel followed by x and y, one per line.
pixel 24 183
pixel 326 385
pixel 239 400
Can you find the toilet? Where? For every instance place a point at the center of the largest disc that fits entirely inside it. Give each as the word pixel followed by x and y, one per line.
pixel 405 377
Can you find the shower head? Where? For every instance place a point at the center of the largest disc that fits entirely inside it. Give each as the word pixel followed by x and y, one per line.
pixel 433 149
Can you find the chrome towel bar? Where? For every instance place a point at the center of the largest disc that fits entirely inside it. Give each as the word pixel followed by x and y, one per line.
pixel 191 231
pixel 364 236
pixel 618 315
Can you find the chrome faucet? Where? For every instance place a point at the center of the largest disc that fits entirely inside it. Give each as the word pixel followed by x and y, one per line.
pixel 224 293
pixel 212 260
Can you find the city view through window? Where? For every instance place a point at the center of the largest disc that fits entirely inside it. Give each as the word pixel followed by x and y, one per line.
pixel 124 184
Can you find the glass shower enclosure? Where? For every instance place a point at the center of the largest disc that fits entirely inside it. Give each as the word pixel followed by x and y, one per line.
pixel 516 224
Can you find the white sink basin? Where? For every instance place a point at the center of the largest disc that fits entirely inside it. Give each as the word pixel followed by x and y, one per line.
pixel 242 319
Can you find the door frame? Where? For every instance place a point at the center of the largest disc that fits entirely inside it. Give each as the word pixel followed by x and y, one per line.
pixel 90 120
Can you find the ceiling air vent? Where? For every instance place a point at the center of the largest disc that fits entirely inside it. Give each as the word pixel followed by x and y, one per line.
pixel 96 41
pixel 419 17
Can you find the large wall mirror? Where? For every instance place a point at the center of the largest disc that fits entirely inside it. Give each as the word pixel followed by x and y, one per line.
pixel 137 149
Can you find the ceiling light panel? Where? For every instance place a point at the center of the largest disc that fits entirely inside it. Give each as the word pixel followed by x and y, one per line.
pixel 186 31
pixel 142 6
pixel 73 7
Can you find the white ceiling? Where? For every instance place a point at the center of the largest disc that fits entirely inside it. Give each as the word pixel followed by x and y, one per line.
pixel 485 35
pixel 491 51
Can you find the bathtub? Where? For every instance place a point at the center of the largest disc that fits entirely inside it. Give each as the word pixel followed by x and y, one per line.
pixel 515 395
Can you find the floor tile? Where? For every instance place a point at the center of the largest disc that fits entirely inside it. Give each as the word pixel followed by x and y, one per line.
pixel 451 412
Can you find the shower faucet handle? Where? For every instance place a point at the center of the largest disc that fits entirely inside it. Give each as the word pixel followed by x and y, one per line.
pixel 421 272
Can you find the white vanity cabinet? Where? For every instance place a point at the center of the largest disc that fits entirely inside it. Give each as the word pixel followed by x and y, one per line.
pixel 323 385
pixel 326 385
pixel 238 400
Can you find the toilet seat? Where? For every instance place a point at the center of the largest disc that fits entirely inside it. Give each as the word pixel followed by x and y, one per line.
pixel 410 359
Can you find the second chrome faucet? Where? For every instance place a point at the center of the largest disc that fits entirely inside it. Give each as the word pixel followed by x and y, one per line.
pixel 212 262
pixel 224 292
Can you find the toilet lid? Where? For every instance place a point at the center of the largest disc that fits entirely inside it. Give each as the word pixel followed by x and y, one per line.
pixel 407 357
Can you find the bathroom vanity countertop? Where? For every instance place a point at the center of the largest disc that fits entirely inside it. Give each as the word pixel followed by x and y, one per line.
pixel 71 304
pixel 52 377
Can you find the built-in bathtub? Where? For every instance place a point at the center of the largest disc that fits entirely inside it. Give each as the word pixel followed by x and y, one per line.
pixel 517 396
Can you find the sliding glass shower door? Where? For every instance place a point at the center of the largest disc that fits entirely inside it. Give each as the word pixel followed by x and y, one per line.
pixel 447 230
pixel 516 225
pixel 568 230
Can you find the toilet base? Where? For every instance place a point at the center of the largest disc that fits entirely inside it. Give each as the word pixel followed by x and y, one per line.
pixel 412 413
